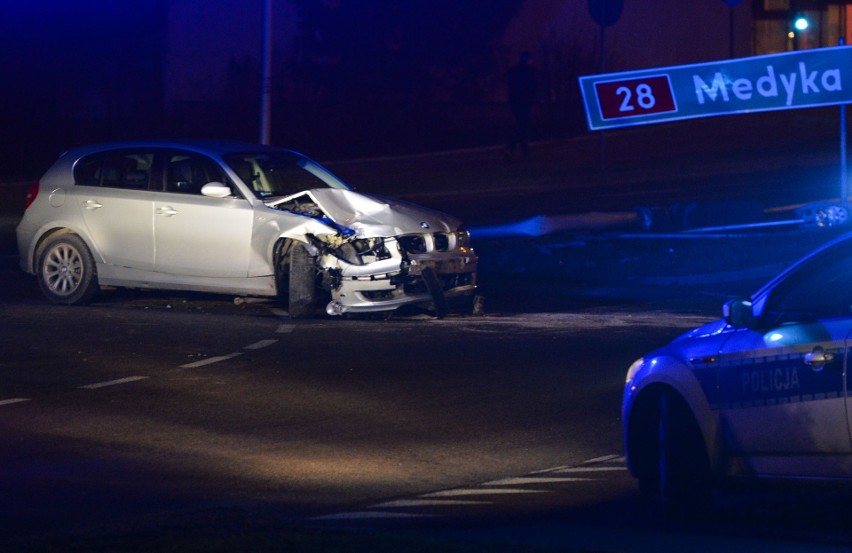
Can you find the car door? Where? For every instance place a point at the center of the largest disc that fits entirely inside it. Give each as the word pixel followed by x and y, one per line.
pixel 782 383
pixel 196 235
pixel 111 189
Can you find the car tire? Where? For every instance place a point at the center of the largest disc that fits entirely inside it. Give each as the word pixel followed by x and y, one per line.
pixel 301 283
pixel 66 270
pixel 684 476
pixel 433 285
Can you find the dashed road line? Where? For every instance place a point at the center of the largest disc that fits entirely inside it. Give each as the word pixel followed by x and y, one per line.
pixel 552 469
pixel 574 470
pixel 361 515
pixel 619 459
pixel 604 459
pixel 480 491
pixel 284 328
pixel 260 345
pixel 526 480
pixel 112 382
pixel 13 400
pixel 483 494
pixel 427 503
pixel 209 361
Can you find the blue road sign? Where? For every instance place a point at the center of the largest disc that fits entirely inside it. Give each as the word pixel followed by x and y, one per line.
pixel 806 78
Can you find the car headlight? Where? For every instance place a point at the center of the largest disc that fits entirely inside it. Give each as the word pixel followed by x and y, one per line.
pixel 462 237
pixel 361 251
pixel 634 368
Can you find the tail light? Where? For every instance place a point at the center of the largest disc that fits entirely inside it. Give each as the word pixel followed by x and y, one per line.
pixel 32 193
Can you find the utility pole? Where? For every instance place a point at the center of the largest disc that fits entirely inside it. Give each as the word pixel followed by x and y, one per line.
pixel 266 75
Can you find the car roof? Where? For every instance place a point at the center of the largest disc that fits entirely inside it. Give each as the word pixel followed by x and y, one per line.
pixel 210 147
pixel 56 173
pixel 842 238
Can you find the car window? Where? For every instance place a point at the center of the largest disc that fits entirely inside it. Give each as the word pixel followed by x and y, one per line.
pixel 819 290
pixel 188 173
pixel 131 170
pixel 281 173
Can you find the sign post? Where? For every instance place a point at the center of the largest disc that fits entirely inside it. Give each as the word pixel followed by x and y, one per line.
pixel 605 13
pixel 844 175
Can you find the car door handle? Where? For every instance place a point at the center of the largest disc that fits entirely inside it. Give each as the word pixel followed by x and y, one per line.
pixel 819 358
pixel 167 211
pixel 92 205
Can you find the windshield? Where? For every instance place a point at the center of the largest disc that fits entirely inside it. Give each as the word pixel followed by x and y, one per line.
pixel 282 173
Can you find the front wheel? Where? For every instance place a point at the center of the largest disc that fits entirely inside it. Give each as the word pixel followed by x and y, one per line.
pixel 684 476
pixel 66 270
pixel 302 283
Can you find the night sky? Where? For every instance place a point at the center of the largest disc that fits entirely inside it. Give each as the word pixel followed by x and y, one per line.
pixel 347 75
pixel 351 78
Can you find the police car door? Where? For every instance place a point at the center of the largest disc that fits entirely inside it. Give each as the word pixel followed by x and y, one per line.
pixel 782 382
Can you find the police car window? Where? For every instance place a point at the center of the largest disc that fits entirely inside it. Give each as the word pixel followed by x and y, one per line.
pixel 130 170
pixel 819 290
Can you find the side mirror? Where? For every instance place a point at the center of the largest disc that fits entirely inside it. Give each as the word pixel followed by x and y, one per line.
pixel 739 313
pixel 216 190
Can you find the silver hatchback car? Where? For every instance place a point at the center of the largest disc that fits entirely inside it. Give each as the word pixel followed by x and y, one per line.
pixel 235 218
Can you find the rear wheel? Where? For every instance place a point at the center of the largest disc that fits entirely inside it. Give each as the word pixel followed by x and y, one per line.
pixel 66 270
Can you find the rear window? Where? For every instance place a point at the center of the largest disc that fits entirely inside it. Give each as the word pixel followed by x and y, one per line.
pixel 131 170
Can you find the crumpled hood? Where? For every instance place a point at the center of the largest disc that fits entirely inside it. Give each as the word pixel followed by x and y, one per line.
pixel 374 216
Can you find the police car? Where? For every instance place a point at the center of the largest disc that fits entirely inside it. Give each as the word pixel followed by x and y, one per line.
pixel 761 393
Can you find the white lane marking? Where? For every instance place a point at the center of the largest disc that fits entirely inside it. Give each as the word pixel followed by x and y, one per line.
pixel 433 499
pixel 523 480
pixel 588 469
pixel 13 400
pixel 261 344
pixel 209 361
pixel 427 503
pixel 359 515
pixel 286 328
pixel 112 382
pixel 480 491
pixel 552 469
pixel 603 459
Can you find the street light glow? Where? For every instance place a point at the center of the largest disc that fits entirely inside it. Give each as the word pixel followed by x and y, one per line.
pixel 801 24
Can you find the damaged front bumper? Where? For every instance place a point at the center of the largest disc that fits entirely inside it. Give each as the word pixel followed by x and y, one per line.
pixel 395 277
pixel 378 254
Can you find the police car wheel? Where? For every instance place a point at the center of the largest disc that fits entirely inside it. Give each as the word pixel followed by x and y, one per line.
pixel 684 477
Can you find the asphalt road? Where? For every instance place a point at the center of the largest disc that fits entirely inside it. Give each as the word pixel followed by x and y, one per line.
pixel 146 415
pixel 153 421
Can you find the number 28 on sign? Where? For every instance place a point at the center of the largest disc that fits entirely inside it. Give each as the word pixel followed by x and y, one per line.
pixel 635 97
